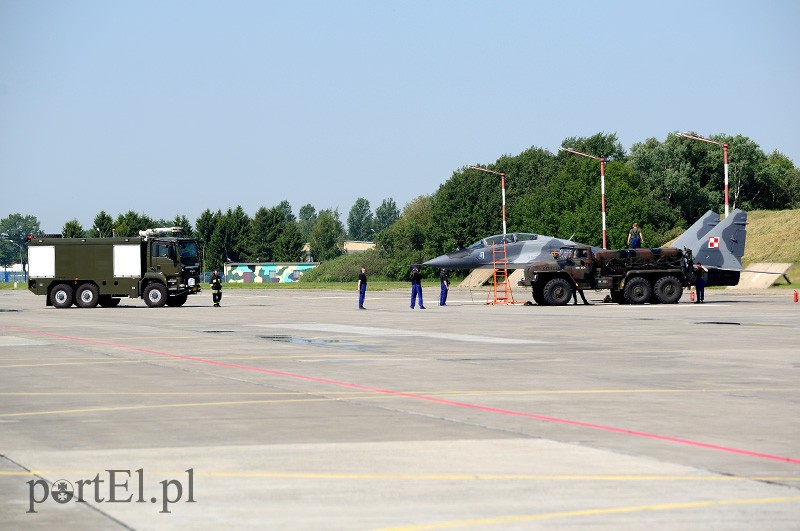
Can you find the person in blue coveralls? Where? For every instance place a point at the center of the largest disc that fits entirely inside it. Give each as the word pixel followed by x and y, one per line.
pixel 362 287
pixel 416 288
pixel 444 279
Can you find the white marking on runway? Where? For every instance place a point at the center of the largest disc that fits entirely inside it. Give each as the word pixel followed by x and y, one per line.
pixel 383 332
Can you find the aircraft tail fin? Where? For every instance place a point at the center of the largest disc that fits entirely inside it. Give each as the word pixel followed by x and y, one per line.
pixel 723 246
pixel 695 233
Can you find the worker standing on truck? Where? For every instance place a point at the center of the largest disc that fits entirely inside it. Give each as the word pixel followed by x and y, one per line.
pixel 216 288
pixel 635 238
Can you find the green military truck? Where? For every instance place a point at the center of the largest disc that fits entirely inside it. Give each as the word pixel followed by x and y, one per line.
pixel 634 276
pixel 91 271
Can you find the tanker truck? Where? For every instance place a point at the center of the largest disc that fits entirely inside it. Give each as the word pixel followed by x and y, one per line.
pixel 90 271
pixel 634 276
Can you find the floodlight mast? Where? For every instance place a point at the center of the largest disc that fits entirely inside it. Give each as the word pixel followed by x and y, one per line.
pixel 602 184
pixel 724 158
pixel 502 187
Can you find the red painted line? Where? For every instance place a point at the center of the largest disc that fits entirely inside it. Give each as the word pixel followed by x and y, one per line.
pixel 436 400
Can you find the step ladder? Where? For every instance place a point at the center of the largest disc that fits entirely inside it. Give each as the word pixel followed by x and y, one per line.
pixel 500 292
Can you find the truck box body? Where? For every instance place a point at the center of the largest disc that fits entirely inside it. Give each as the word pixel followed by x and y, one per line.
pixel 114 267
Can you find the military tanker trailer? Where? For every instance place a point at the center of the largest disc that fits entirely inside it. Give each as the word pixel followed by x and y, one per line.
pixel 91 271
pixel 634 276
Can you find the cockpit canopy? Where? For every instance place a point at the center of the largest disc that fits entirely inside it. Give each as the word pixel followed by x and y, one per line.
pixel 511 237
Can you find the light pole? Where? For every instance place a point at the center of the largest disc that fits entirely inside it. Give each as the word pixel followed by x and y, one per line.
pixel 502 188
pixel 602 183
pixel 724 157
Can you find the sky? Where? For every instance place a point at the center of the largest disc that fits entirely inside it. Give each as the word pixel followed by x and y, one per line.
pixel 172 107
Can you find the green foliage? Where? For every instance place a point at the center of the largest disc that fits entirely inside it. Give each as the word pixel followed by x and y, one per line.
pixel 346 268
pixel 265 228
pixel 229 240
pixel 72 229
pixel 386 214
pixel 404 243
pixel 103 223
pixel 327 236
pixel 307 219
pixel 289 244
pixel 286 209
pixel 360 222
pixel 13 232
pixel 183 222
pixel 130 223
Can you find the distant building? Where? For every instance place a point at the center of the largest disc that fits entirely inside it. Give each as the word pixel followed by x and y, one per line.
pixel 357 247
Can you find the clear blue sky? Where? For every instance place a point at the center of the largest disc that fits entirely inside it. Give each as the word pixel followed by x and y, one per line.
pixel 168 107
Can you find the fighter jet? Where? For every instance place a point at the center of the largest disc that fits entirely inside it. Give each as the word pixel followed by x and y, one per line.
pixel 717 244
pixel 522 248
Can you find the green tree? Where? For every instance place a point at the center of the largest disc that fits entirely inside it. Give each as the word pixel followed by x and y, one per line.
pixel 265 228
pixel 14 230
pixel 602 145
pixel 103 223
pixel 405 242
pixel 72 229
pixel 327 236
pixel 308 217
pixel 289 244
pixel 182 221
pixel 286 209
pixel 386 214
pixel 359 221
pixel 230 239
pixel 130 223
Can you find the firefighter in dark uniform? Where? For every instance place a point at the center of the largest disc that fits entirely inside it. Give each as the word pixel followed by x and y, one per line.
pixel 216 288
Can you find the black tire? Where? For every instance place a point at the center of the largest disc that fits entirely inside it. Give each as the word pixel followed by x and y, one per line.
pixel 177 300
pixel 155 295
pixel 638 290
pixel 61 296
pixel 557 292
pixel 618 296
pixel 87 295
pixel 106 301
pixel 538 295
pixel 668 289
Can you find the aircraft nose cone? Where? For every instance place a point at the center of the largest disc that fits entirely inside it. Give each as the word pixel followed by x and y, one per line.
pixel 440 261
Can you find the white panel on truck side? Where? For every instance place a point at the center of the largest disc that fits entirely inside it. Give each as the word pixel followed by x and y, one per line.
pixel 42 261
pixel 127 261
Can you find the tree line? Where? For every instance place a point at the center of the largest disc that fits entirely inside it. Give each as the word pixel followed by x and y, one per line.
pixel 662 185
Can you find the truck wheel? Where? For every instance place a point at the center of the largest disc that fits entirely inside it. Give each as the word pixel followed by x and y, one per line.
pixel 177 300
pixel 87 296
pixel 155 295
pixel 557 292
pixel 638 290
pixel 538 295
pixel 668 289
pixel 61 296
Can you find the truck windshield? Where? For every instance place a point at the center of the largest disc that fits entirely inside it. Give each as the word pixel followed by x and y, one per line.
pixel 187 249
pixel 565 253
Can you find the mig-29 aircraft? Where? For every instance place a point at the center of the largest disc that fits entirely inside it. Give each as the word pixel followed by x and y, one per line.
pixel 717 244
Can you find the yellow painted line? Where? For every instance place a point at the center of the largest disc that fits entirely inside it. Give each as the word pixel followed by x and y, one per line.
pixel 593 512
pixel 161 406
pixel 438 477
pixel 99 362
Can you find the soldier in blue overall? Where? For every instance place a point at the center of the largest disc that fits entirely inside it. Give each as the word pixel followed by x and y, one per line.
pixel 444 279
pixel 416 288
pixel 635 238
pixel 216 288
